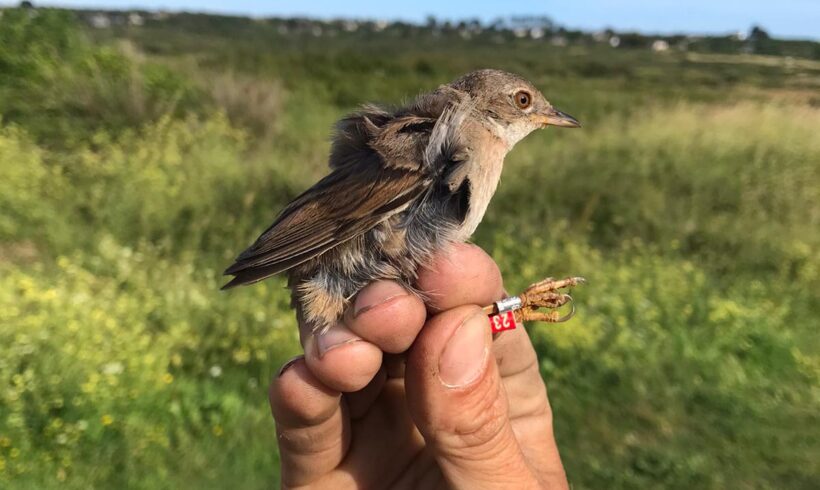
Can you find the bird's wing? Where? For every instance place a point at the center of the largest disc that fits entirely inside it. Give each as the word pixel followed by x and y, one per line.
pixel 380 164
pixel 354 198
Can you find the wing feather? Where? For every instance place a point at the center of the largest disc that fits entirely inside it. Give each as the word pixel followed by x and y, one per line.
pixel 332 212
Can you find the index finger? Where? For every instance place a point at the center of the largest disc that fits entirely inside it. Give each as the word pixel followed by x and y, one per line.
pixel 461 275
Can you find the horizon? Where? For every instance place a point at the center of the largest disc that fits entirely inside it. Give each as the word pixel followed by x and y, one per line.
pixel 792 19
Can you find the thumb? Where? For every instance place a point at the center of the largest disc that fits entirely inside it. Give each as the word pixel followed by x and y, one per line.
pixel 457 401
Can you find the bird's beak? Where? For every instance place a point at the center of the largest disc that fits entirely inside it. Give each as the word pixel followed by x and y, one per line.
pixel 554 117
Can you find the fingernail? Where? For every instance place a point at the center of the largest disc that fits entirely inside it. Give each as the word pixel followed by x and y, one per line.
pixel 464 356
pixel 287 365
pixel 377 294
pixel 337 336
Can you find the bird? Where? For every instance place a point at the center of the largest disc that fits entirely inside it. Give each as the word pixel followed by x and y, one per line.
pixel 403 184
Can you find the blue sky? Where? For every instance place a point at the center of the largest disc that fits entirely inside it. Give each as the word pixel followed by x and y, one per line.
pixel 786 18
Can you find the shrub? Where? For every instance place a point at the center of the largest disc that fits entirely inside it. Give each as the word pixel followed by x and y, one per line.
pixel 61 88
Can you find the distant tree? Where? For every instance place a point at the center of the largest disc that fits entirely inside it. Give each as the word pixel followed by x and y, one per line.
pixel 633 40
pixel 760 42
pixel 757 33
pixel 26 5
pixel 533 22
pixel 498 24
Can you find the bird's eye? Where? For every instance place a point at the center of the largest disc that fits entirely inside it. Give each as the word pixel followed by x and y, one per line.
pixel 523 99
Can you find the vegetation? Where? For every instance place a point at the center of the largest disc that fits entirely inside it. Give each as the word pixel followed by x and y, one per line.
pixel 136 161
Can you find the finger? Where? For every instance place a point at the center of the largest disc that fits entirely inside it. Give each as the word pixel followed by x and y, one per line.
pixel 360 402
pixel 390 442
pixel 457 400
pixel 529 409
pixel 387 315
pixel 342 360
pixel 518 366
pixel 384 317
pixel 312 430
pixel 463 274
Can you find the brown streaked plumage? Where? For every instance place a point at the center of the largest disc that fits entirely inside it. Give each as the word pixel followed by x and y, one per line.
pixel 403 185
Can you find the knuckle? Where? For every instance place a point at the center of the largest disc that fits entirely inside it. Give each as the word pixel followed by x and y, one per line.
pixel 480 423
pixel 311 440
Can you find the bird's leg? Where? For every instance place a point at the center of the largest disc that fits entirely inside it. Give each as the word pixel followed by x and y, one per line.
pixel 543 294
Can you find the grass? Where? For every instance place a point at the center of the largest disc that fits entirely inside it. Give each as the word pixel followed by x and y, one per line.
pixel 135 163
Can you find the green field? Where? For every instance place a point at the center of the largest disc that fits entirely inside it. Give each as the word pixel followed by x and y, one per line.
pixel 135 162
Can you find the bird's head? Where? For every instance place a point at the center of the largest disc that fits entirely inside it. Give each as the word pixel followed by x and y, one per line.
pixel 512 106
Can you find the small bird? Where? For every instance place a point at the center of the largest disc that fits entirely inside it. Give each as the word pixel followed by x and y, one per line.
pixel 403 184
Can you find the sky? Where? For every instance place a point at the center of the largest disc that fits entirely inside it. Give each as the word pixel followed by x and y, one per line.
pixel 783 18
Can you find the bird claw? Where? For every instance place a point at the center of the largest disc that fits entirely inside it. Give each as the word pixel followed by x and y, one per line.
pixel 533 314
pixel 543 294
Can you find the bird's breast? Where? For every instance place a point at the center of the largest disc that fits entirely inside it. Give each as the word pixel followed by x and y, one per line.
pixel 484 174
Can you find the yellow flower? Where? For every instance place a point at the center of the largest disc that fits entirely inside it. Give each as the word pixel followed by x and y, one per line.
pixel 241 356
pixel 167 378
pixel 107 419
pixel 217 430
pixel 26 284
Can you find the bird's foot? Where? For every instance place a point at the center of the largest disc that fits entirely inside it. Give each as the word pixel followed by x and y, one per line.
pixel 543 294
pixel 546 294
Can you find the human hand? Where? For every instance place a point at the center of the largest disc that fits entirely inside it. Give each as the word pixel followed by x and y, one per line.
pixel 380 402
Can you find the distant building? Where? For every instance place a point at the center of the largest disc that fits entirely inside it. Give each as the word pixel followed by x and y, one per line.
pixel 560 41
pixel 660 45
pixel 100 21
pixel 135 19
pixel 614 41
